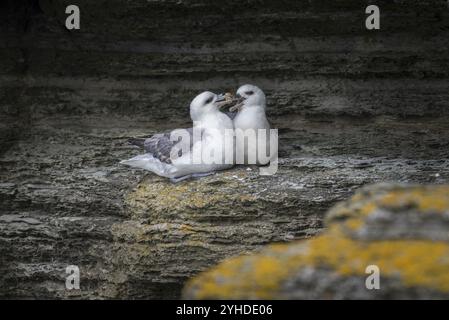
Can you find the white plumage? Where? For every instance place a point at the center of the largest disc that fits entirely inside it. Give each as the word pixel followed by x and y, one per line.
pixel 251 115
pixel 211 136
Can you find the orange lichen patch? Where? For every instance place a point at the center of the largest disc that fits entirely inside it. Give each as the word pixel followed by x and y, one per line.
pixel 242 277
pixel 354 224
pixel 352 209
pixel 367 209
pixel 431 199
pixel 352 215
pixel 415 263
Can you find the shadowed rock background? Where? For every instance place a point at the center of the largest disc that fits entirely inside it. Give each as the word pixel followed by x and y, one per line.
pixel 352 106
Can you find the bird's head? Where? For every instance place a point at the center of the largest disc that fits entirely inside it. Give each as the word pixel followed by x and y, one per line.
pixel 208 102
pixel 249 95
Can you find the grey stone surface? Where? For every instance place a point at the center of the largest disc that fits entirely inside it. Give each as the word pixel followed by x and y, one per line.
pixel 353 107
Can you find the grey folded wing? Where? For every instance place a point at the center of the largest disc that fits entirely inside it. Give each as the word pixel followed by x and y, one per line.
pixel 160 145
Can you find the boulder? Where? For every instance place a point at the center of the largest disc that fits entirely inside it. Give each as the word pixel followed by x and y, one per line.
pixel 400 230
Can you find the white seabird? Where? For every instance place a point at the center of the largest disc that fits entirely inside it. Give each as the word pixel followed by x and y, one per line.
pixel 211 136
pixel 251 115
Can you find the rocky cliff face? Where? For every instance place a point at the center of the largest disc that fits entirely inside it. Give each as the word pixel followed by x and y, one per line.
pixel 352 107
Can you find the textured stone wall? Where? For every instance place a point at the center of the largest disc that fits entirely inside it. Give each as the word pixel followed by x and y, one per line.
pixel 311 57
pixel 352 106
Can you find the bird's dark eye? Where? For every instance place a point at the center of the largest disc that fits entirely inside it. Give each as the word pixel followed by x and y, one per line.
pixel 209 100
pixel 248 93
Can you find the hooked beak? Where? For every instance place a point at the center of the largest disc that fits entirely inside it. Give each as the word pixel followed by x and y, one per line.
pixel 239 101
pixel 224 100
pixel 221 97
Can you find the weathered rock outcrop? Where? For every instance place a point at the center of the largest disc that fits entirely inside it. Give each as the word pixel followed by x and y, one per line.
pixel 404 231
pixel 352 107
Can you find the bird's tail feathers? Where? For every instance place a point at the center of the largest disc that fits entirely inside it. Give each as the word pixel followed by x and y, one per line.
pixel 148 162
pixel 140 142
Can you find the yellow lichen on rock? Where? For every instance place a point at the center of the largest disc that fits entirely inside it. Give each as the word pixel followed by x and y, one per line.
pixel 413 263
pixel 156 194
pixel 424 199
pixel 245 277
pixel 261 276
pixel 435 199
